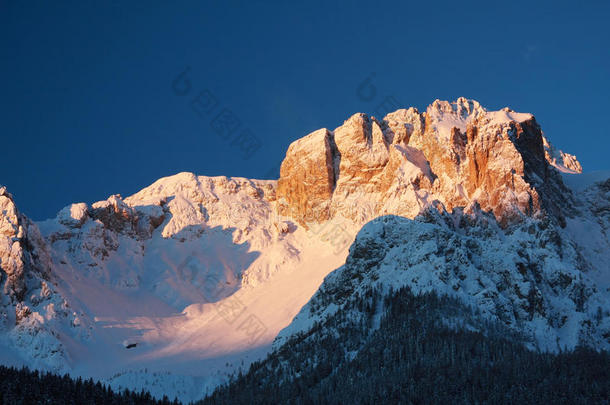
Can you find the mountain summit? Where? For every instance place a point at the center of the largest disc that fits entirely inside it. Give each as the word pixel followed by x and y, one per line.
pixel 454 154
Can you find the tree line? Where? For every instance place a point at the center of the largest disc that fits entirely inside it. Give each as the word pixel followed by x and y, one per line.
pixel 24 387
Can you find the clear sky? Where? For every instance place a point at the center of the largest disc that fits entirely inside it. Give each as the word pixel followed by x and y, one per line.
pixel 90 105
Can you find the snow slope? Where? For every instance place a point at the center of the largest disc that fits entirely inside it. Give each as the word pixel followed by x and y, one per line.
pixel 198 272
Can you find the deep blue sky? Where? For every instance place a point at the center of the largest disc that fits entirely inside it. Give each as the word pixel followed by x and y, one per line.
pixel 88 108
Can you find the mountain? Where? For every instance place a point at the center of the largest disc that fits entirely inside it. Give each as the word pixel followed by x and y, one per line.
pixel 174 288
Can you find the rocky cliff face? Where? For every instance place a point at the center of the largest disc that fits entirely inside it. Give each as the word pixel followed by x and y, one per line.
pixel 30 305
pixel 22 252
pixel 456 154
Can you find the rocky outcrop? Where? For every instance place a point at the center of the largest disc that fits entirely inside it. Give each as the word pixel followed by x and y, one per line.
pixel 22 251
pixel 457 154
pixel 29 301
pixel 562 161
pixel 115 214
pixel 308 175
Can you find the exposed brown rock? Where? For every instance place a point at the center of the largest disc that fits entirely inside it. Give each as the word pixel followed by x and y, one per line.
pixel 307 177
pixel 115 214
pixel 456 154
pixel 22 250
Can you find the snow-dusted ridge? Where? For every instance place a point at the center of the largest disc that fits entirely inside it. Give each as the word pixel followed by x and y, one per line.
pixel 198 275
pixel 533 278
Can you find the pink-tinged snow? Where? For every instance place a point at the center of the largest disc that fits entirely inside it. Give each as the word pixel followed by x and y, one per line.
pixel 205 294
pixel 198 342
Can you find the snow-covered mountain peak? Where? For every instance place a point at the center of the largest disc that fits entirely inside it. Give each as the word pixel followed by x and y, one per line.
pixel 186 200
pixel 177 202
pixel 457 113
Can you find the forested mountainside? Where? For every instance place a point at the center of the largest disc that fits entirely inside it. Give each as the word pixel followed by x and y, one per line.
pixel 426 349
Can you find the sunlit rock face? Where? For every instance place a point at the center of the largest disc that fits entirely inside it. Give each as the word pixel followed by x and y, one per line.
pixel 307 176
pixel 29 299
pixel 22 251
pixel 12 260
pixel 453 155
